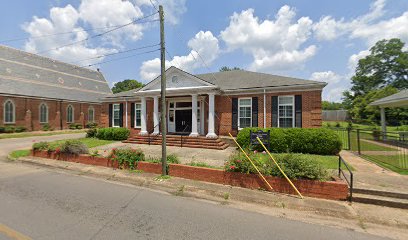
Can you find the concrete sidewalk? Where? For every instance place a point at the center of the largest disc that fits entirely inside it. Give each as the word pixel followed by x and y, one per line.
pixel 377 220
pixel 186 155
pixel 368 175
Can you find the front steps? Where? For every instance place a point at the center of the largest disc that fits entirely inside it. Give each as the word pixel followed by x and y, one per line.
pixel 381 198
pixel 180 141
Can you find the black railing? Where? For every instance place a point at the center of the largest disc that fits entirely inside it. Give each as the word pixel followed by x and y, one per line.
pixel 345 136
pixel 349 180
pixel 154 135
pixel 181 136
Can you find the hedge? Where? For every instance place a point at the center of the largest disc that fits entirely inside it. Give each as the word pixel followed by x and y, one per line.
pixel 118 134
pixel 320 141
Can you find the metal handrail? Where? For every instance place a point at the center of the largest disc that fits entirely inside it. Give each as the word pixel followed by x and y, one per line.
pixel 149 134
pixel 181 136
pixel 349 181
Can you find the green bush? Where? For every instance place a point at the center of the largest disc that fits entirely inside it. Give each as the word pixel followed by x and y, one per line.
pixel 91 125
pixel 127 155
pixel 20 129
pixel 75 147
pixel 2 129
pixel 172 158
pixel 46 127
pixel 40 146
pixel 118 134
pixel 295 166
pixel 91 133
pixel 74 126
pixel 320 141
pixel 9 129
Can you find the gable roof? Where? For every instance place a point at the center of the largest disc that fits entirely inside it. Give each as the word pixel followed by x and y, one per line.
pixel 241 79
pixel 26 74
pixel 399 99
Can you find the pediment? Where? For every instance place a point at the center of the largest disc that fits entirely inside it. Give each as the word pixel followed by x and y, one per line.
pixel 176 78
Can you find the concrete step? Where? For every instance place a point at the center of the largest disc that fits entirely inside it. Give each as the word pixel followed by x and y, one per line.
pixel 380 200
pixel 381 193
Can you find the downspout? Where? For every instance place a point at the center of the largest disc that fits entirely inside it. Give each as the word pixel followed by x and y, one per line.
pixel 264 102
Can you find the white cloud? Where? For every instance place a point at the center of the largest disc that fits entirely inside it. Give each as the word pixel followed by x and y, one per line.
pixel 203 43
pixel 353 60
pixel 173 9
pixel 329 76
pixel 274 44
pixel 336 84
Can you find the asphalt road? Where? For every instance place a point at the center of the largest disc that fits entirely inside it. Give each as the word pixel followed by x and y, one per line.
pixel 36 203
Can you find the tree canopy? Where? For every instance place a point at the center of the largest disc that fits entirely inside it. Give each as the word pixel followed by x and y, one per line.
pixel 225 69
pixel 326 105
pixel 126 85
pixel 380 74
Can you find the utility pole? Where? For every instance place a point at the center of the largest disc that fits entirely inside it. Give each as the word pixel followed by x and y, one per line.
pixel 163 92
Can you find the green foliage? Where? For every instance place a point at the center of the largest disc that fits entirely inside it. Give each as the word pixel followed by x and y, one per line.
pixel 40 146
pixel 75 147
pixel 46 127
pixel 326 105
pixel 171 158
pixel 91 133
pixel 118 134
pixel 126 85
pixel 296 140
pixel 95 153
pixel 74 126
pixel 91 125
pixel 20 129
pixel 19 153
pixel 225 69
pixel 9 129
pixel 295 166
pixel 2 129
pixel 12 129
pixel 201 164
pixel 127 156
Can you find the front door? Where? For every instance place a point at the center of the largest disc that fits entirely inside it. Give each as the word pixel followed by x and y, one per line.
pixel 183 121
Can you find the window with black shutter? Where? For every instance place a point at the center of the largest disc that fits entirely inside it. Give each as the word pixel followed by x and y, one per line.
pixel 234 113
pixel 298 111
pixel 255 112
pixel 132 115
pixel 274 111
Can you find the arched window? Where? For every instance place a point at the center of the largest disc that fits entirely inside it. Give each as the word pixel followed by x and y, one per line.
pixel 9 112
pixel 70 114
pixel 91 114
pixel 43 113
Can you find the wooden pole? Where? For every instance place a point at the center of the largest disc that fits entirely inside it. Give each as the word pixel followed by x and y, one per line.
pixel 163 91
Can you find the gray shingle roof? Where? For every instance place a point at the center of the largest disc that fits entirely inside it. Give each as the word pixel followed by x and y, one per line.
pixel 241 79
pixel 397 99
pixel 124 94
pixel 26 74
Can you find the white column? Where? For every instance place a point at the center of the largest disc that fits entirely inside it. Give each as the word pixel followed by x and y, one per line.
pixel 156 115
pixel 211 114
pixel 143 130
pixel 194 131
pixel 383 126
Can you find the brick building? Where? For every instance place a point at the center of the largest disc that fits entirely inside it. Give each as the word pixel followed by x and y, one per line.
pixel 37 91
pixel 216 103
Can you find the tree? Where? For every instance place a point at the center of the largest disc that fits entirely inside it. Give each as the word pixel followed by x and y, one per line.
pixel 382 73
pixel 326 105
pixel 225 69
pixel 126 85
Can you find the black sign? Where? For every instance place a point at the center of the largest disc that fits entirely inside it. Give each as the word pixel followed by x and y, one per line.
pixel 263 136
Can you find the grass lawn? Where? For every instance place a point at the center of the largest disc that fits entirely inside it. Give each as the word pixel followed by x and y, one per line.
pixel 34 134
pixel 396 163
pixel 90 142
pixel 362 126
pixel 19 153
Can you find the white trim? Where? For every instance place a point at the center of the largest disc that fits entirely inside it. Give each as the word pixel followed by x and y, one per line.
pixel 239 106
pixel 4 111
pixel 46 114
pixel 293 108
pixel 93 114
pixel 73 113
pixel 113 114
pixel 136 109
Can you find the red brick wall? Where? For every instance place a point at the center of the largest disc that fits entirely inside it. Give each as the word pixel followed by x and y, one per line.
pixel 22 105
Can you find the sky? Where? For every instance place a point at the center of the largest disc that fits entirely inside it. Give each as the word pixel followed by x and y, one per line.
pixel 317 40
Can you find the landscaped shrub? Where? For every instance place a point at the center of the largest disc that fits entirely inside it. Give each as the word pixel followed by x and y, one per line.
pixel 40 146
pixel 295 166
pixel 2 129
pixel 74 126
pixel 46 127
pixel 91 125
pixel 127 155
pixel 19 129
pixel 172 158
pixel 296 140
pixel 118 134
pixel 91 133
pixel 9 129
pixel 75 147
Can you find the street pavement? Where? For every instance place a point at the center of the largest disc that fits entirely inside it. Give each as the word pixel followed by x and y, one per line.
pixel 36 203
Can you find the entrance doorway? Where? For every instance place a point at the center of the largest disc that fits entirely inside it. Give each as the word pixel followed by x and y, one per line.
pixel 183 121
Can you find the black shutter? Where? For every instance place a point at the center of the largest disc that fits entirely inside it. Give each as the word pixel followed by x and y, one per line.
pixel 255 112
pixel 298 111
pixel 110 114
pixel 274 111
pixel 121 115
pixel 234 113
pixel 132 115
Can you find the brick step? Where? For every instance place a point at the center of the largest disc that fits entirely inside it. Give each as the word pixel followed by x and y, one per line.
pixel 179 142
pixel 187 140
pixel 177 138
pixel 215 147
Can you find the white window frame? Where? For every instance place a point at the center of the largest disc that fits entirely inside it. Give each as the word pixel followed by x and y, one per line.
pixel 286 104
pixel 13 113
pixel 93 114
pixel 140 110
pixel 113 114
pixel 73 114
pixel 239 112
pixel 46 112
